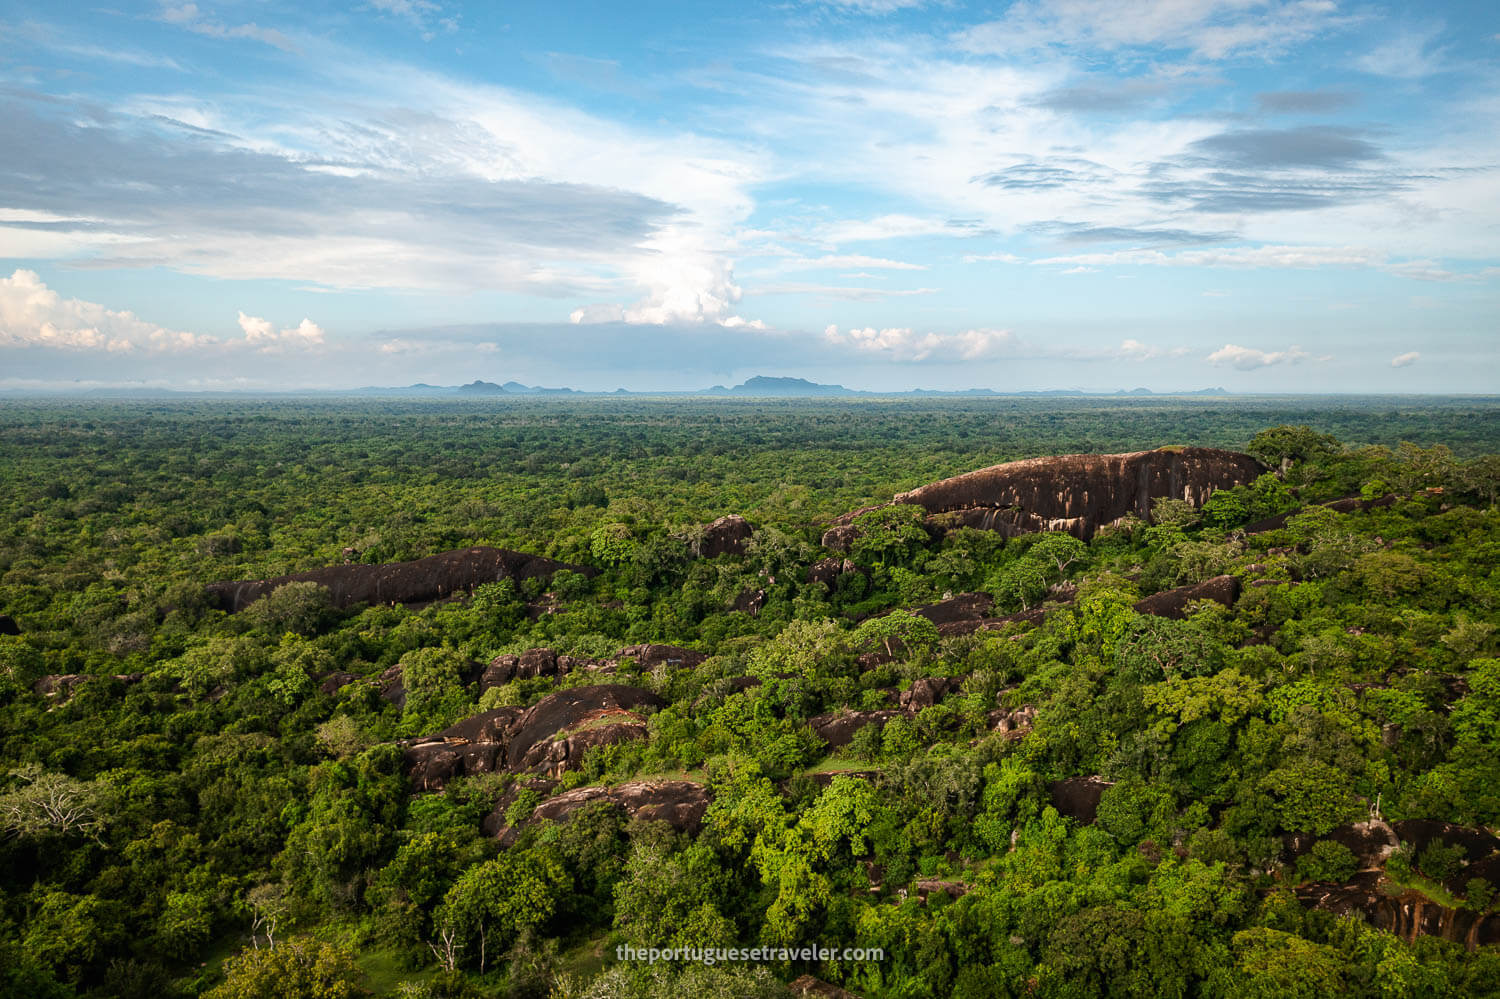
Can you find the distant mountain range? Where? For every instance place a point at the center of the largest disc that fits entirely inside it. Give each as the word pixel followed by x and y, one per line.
pixel 758 387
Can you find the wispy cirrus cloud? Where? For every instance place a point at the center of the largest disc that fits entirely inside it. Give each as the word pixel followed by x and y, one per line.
pixel 188 16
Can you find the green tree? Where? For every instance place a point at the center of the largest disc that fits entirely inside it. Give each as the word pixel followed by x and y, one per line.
pixel 300 968
pixel 911 631
pixel 1279 446
pixel 890 535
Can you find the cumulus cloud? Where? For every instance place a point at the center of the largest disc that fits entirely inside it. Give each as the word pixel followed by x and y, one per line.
pixel 905 344
pixel 262 334
pixel 1403 360
pixel 33 315
pixel 1232 355
pixel 1135 350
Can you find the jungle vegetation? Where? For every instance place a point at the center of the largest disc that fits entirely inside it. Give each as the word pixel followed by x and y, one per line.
pixel 198 818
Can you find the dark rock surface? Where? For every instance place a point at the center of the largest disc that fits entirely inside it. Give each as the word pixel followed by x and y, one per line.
pixel 1077 493
pixel 815 988
pixel 679 803
pixel 1372 843
pixel 62 686
pixel 963 610
pixel 337 681
pixel 1078 797
pixel 1407 914
pixel 839 537
pixel 927 691
pixel 1174 603
pixel 549 737
pixel 725 536
pixel 1346 504
pixel 838 728
pixel 1012 724
pixel 829 570
pixel 749 601
pixel 651 656
pixel 568 709
pixel 436 577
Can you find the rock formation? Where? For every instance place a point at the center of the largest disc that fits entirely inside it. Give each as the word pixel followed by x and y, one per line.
pixel 547 738
pixel 1078 797
pixel 425 580
pixel 651 656
pixel 725 536
pixel 815 988
pixel 1174 603
pixel 1077 493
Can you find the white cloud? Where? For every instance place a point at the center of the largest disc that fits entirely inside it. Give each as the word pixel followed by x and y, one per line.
pixel 1135 350
pixel 262 334
pixel 999 258
pixel 1212 29
pixel 1259 257
pixel 837 262
pixel 33 315
pixel 904 344
pixel 424 15
pixel 190 17
pixel 1402 360
pixel 875 7
pixel 882 227
pixel 1409 56
pixel 1248 358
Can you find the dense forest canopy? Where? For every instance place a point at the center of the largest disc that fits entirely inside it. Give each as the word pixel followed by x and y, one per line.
pixel 992 759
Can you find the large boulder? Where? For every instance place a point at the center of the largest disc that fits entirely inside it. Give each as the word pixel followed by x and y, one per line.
pixel 651 656
pixel 927 691
pixel 815 988
pixel 838 728
pixel 437 577
pixel 726 536
pixel 1174 603
pixel 570 714
pixel 679 803
pixel 1407 914
pixel 1078 797
pixel 1077 493
pixel 548 738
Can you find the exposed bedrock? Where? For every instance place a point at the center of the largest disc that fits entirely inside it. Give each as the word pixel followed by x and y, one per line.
pixel 1174 603
pixel 425 580
pixel 726 536
pixel 548 738
pixel 1407 914
pixel 679 803
pixel 808 987
pixel 1077 493
pixel 1078 797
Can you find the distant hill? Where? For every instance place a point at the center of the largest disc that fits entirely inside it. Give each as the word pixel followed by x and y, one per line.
pixel 762 385
pixel 478 387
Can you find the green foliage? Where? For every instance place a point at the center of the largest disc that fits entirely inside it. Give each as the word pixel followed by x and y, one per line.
pixel 890 535
pixel 226 797
pixel 299 968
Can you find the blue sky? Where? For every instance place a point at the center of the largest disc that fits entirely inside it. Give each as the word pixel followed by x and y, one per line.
pixel 1267 196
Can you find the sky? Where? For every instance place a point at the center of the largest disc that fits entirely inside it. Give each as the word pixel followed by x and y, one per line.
pixel 1265 196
